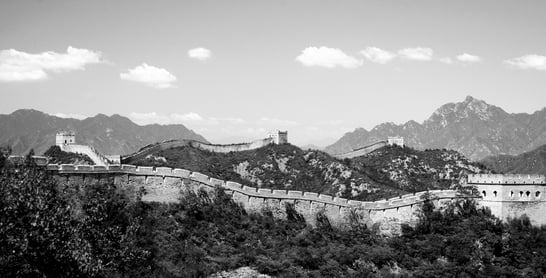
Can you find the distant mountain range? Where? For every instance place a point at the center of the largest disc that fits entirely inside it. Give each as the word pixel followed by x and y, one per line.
pixel 28 129
pixel 533 162
pixel 472 127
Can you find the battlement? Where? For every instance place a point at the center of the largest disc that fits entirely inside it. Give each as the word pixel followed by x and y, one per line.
pixel 252 192
pixel 511 179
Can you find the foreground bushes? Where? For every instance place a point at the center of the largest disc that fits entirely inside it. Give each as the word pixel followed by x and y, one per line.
pixel 97 232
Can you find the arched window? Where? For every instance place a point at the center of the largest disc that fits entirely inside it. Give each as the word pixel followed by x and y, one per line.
pixel 527 194
pixel 537 194
pixel 483 193
pixel 495 193
pixel 511 193
pixel 521 193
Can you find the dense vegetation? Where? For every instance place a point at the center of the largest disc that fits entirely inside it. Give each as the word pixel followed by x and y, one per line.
pixel 415 170
pixel 277 166
pixel 57 156
pixel 533 162
pixel 386 172
pixel 95 231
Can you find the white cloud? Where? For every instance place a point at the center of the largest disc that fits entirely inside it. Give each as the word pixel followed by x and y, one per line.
pixel 200 53
pixel 327 57
pixel 530 61
pixel 189 117
pixel 377 55
pixel 417 53
pixel 154 77
pixel 149 118
pixel 21 66
pixel 70 116
pixel 468 58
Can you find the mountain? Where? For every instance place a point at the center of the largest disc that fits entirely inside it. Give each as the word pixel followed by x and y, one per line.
pixel 387 172
pixel 472 127
pixel 533 162
pixel 414 170
pixel 28 129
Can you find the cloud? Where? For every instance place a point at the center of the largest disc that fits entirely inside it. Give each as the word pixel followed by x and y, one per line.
pixel 154 77
pixel 200 53
pixel 530 61
pixel 327 57
pixel 189 117
pixel 468 58
pixel 70 116
pixel 417 53
pixel 377 55
pixel 21 66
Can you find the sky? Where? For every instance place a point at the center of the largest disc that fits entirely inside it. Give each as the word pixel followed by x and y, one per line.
pixel 234 70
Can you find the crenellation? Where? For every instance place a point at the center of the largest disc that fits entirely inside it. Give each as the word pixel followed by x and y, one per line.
pixel 355 203
pixel 164 171
pixel 326 197
pixel 97 168
pixel 67 167
pixel 196 176
pixel 310 195
pixel 340 200
pixel 183 173
pixel 295 193
pixel 249 189
pixel 128 168
pixel 84 168
pixel 264 191
pixel 145 170
pixel 278 192
pixel 217 182
pixel 113 167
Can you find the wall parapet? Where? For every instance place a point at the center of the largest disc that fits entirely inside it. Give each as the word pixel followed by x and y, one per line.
pixel 237 147
pixel 512 179
pixel 264 193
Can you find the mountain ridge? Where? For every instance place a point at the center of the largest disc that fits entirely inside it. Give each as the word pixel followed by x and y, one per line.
pixel 27 129
pixel 472 127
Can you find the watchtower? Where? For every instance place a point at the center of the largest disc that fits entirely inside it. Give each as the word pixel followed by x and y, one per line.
pixel 279 137
pixel 65 138
pixel 395 141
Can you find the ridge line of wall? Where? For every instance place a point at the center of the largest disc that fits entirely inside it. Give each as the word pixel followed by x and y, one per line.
pixel 265 193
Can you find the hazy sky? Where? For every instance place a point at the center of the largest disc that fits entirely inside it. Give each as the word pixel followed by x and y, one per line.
pixel 232 70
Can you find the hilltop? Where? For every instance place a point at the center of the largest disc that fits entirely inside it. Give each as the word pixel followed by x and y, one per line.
pixel 28 129
pixel 472 127
pixel 533 162
pixel 288 167
pixel 415 170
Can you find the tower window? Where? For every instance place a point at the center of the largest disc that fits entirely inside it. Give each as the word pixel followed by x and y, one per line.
pixel 483 193
pixel 511 193
pixel 521 193
pixel 537 194
pixel 495 193
pixel 527 193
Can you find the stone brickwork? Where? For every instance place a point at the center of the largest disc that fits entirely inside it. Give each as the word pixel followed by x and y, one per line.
pixel 510 196
pixel 164 184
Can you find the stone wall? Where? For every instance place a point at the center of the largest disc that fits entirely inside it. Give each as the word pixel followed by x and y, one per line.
pixel 164 184
pixel 196 144
pixel 510 196
pixel 362 151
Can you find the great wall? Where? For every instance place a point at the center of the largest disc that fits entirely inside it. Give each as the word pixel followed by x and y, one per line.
pixel 164 184
pixel 507 196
